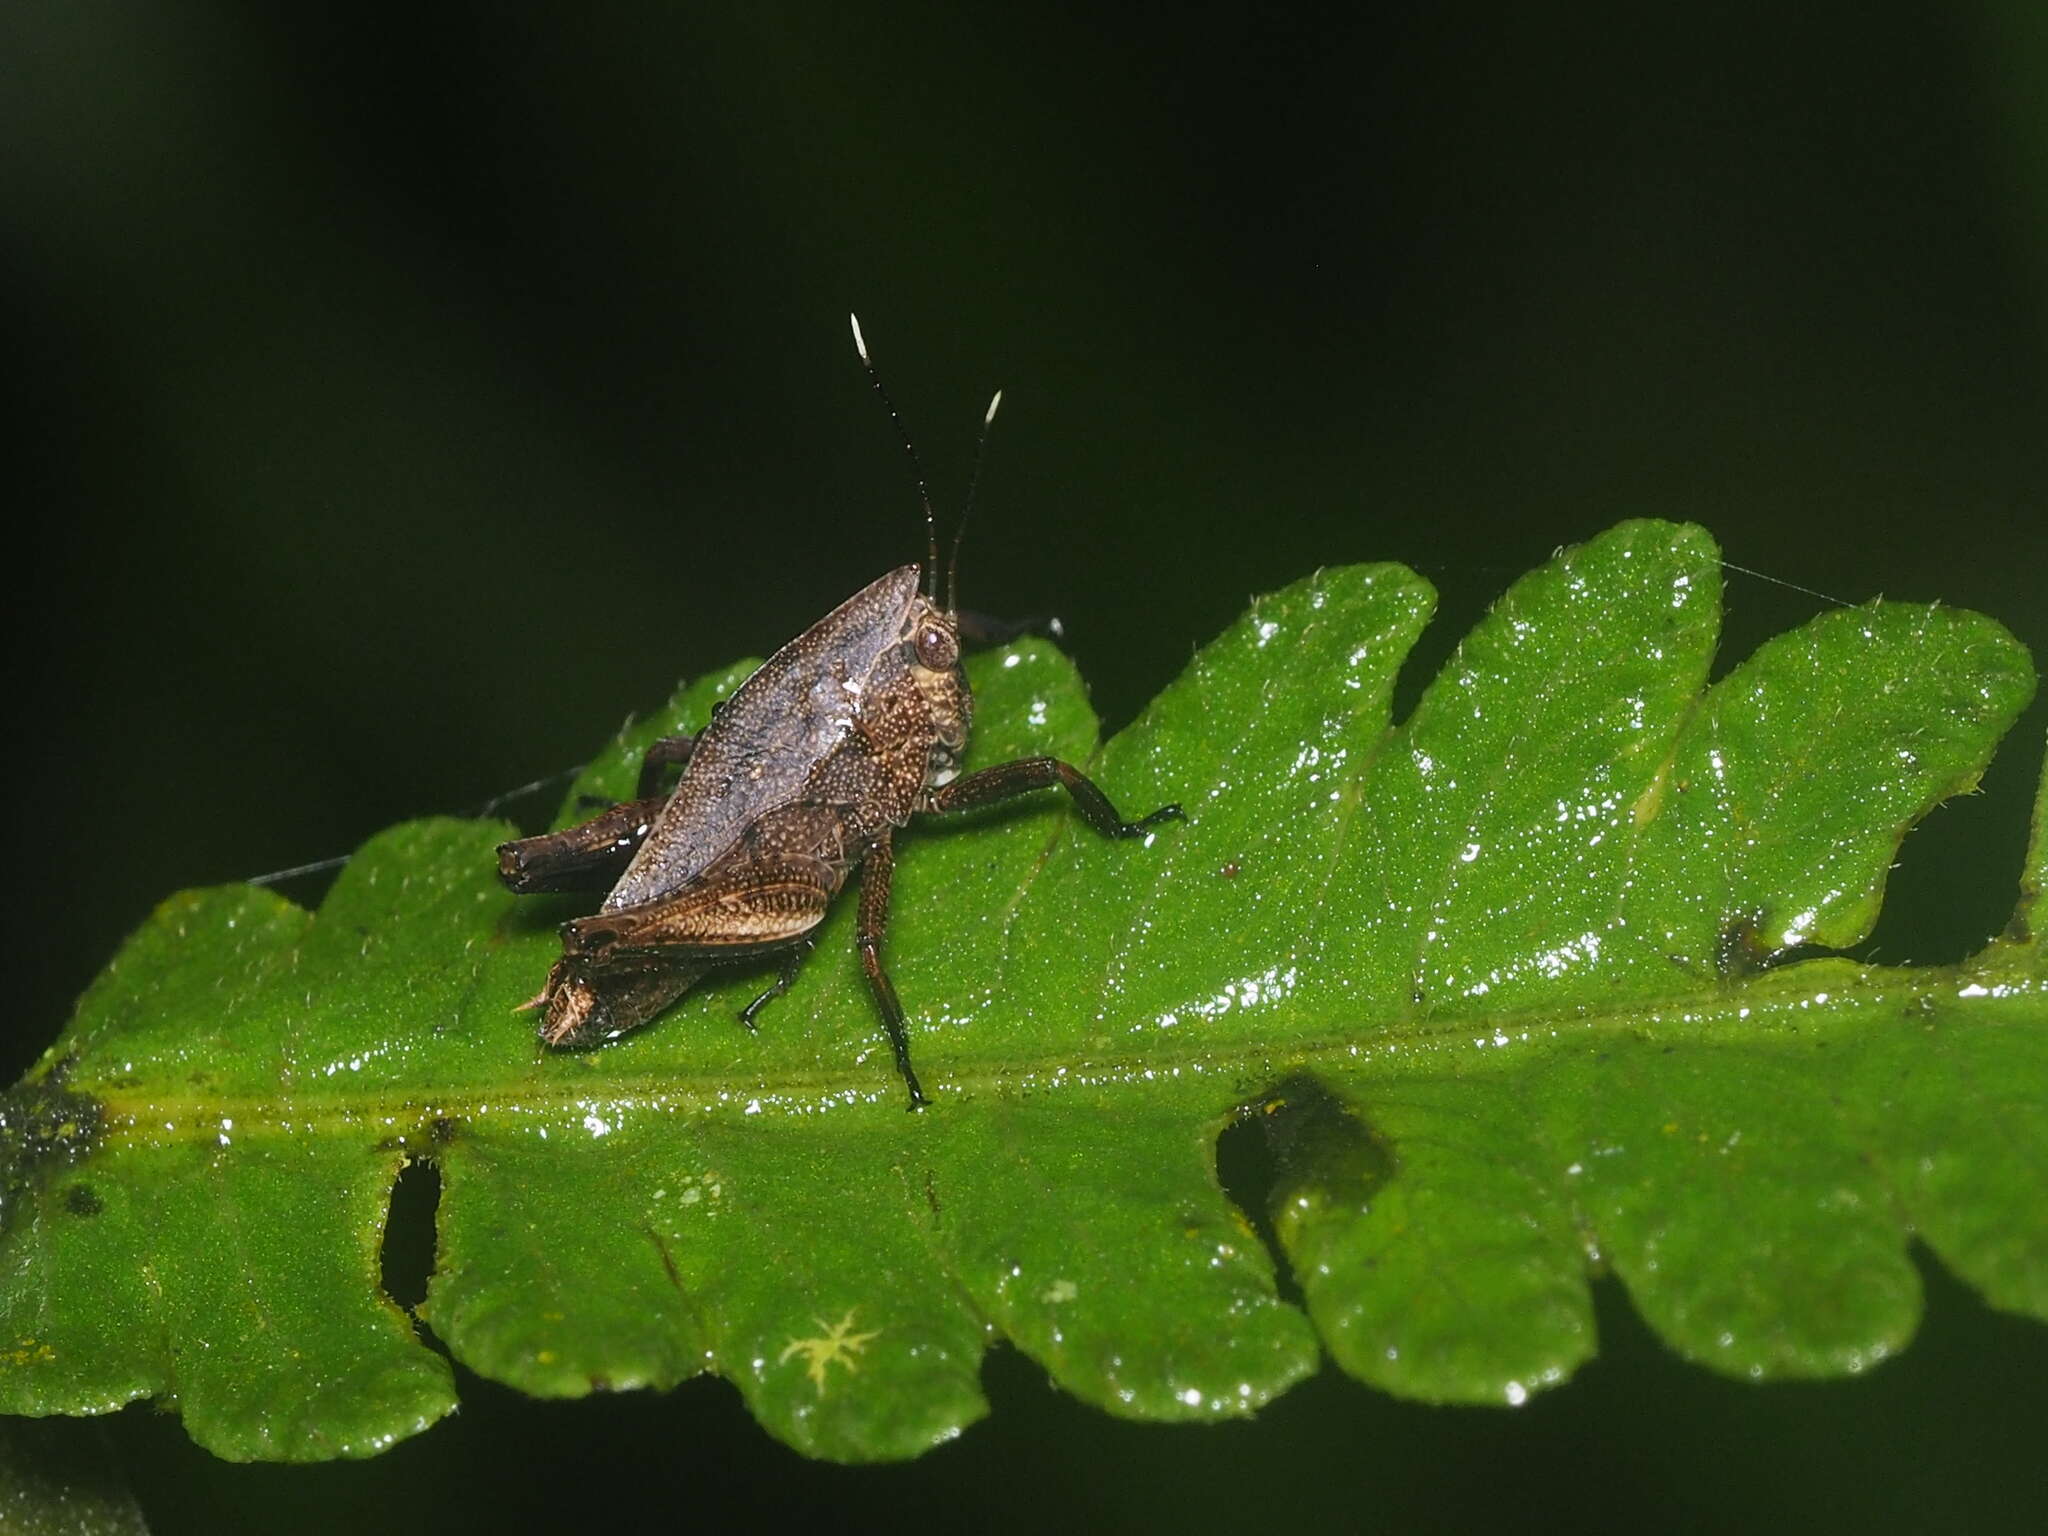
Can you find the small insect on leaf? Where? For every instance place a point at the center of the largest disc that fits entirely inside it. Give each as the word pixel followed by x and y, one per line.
pixel 805 775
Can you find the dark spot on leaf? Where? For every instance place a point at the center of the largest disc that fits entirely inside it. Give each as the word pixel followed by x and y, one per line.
pixel 1319 1146
pixel 80 1200
pixel 668 1260
pixel 407 1259
pixel 2019 930
pixel 1744 950
pixel 44 1128
pixel 1741 950
pixel 444 1130
pixel 931 1193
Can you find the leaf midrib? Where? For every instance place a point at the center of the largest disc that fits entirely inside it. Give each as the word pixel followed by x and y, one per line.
pixel 1781 1007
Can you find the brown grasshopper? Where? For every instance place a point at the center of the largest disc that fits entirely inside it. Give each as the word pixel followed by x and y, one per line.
pixel 803 775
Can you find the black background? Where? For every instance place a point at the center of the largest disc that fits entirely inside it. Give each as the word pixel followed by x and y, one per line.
pixel 399 397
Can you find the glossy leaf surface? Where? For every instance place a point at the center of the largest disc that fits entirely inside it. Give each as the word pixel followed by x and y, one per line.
pixel 1515 990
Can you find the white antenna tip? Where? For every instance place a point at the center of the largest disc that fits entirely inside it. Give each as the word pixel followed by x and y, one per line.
pixel 860 342
pixel 991 416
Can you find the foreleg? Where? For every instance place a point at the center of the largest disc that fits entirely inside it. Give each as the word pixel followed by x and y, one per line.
pixel 1006 780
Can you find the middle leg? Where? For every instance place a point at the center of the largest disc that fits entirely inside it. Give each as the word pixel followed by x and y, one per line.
pixel 875 872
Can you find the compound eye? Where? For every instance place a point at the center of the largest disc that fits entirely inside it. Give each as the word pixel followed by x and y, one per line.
pixel 936 647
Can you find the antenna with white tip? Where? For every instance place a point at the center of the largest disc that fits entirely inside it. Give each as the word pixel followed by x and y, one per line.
pixel 931 523
pixel 960 529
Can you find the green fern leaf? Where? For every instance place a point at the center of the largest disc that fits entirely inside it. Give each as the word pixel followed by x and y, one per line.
pixel 1530 987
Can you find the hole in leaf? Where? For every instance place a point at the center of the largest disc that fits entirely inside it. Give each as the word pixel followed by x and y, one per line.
pixel 1296 1150
pixel 407 1258
pixel 1244 1167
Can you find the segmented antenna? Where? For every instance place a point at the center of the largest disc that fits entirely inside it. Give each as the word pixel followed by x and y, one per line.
pixel 931 523
pixel 960 530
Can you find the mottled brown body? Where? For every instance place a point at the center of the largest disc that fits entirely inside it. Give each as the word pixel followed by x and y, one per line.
pixel 803 776
pixel 830 741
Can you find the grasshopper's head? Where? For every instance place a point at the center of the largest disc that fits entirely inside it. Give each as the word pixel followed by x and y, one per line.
pixel 933 638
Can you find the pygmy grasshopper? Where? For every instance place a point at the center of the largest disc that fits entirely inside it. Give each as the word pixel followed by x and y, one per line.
pixel 803 775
